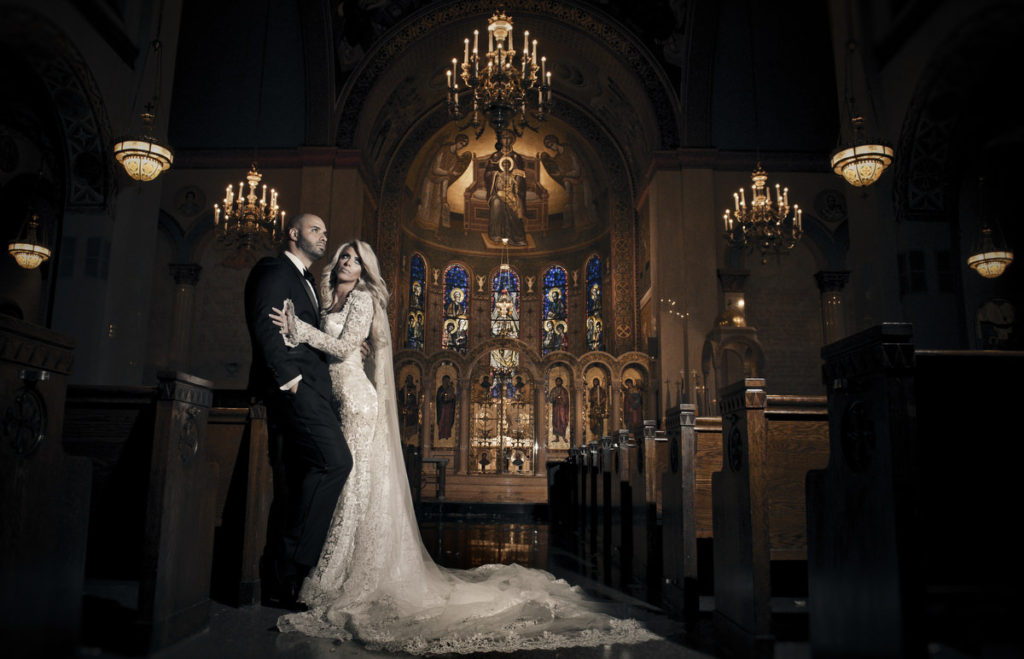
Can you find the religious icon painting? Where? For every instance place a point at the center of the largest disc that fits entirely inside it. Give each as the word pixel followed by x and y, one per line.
pixel 596 404
pixel 554 334
pixel 415 319
pixel 595 324
pixel 446 406
pixel 633 398
pixel 410 398
pixel 559 405
pixel 455 325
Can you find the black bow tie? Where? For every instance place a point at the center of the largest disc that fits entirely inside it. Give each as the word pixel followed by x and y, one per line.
pixel 309 277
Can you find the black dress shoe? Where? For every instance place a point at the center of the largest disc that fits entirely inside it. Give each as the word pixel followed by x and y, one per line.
pixel 282 595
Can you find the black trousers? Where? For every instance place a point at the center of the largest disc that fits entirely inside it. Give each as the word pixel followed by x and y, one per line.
pixel 310 461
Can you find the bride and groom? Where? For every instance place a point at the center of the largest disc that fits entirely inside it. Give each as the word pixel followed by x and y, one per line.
pixel 370 577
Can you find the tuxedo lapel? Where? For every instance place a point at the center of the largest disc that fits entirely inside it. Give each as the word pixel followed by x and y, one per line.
pixel 302 283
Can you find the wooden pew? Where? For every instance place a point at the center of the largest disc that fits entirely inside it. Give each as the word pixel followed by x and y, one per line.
pixel 694 453
pixel 238 441
pixel 769 444
pixel 620 513
pixel 592 461
pixel 154 480
pixel 646 467
pixel 44 496
pixel 910 526
pixel 603 508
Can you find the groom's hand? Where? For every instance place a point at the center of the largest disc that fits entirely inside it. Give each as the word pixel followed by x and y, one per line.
pixel 365 349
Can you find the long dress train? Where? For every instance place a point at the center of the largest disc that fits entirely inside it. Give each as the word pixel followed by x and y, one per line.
pixel 375 581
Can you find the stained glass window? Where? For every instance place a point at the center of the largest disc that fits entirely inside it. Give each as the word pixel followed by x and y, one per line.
pixel 455 327
pixel 417 287
pixel 505 318
pixel 595 324
pixel 554 333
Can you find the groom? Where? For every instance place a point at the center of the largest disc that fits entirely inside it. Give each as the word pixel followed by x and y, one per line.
pixel 308 454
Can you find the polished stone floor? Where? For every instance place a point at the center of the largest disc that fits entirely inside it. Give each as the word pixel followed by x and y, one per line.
pixel 459 541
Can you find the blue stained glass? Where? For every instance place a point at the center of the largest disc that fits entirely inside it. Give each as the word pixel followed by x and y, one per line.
pixel 554 322
pixel 417 291
pixel 595 324
pixel 455 325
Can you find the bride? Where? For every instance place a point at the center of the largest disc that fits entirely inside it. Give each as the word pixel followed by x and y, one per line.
pixel 374 580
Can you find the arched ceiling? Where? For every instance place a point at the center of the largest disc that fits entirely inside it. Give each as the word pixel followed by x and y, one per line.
pixel 599 68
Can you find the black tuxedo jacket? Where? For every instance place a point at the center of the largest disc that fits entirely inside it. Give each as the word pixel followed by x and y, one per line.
pixel 274 364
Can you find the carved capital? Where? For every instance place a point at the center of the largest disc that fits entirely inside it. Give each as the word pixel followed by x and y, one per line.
pixel 832 280
pixel 185 274
pixel 733 280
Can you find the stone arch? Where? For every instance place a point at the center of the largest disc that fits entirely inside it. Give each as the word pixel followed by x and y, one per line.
pixel 76 99
pixel 928 161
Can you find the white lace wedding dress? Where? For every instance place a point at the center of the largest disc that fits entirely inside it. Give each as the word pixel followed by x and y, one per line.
pixel 375 581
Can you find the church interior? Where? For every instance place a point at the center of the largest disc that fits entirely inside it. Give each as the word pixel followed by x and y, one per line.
pixel 683 298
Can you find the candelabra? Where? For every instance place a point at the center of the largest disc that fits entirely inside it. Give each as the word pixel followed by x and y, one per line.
pixel 765 224
pixel 249 220
pixel 502 83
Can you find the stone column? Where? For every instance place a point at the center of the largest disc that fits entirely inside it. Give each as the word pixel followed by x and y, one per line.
pixel 428 416
pixel 540 422
pixel 614 407
pixel 577 418
pixel 833 312
pixel 464 403
pixel 186 276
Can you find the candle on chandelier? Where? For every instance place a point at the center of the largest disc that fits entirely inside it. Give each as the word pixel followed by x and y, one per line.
pixel 743 198
pixel 549 86
pixel 490 41
pixel 476 36
pixel 282 221
pixel 799 216
pixel 543 67
pixel 778 195
pixel 465 51
pixel 448 74
pixel 725 220
pixel 241 191
pixel 736 201
pixel 526 43
pixel 785 195
pixel 534 58
pixel 216 214
pixel 264 200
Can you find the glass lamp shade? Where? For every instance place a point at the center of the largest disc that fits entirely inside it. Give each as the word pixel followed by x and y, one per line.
pixel 990 264
pixel 989 260
pixel 143 157
pixel 28 249
pixel 862 164
pixel 28 255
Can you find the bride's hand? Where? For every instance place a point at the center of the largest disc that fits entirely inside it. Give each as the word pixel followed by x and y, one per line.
pixel 278 317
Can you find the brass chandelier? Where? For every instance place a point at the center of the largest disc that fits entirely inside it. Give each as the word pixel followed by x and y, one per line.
pixel 249 221
pixel 504 84
pixel 770 226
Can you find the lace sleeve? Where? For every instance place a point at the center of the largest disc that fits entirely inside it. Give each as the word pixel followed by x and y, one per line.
pixel 355 331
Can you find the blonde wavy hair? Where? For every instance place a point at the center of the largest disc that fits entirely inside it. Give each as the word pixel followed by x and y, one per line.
pixel 370 280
